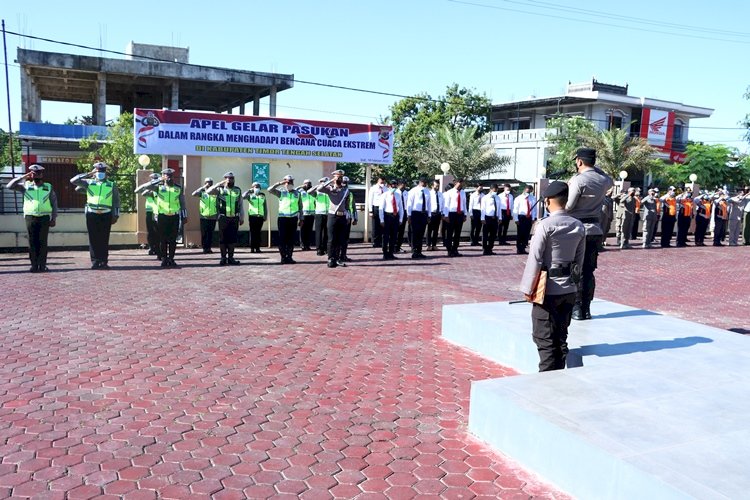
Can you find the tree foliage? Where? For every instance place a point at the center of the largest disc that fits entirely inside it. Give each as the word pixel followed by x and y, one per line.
pixel 567 133
pixel 616 151
pixel 416 119
pixel 470 155
pixel 713 164
pixel 117 152
pixel 5 149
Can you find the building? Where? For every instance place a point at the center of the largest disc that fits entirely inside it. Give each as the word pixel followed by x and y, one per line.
pixel 519 128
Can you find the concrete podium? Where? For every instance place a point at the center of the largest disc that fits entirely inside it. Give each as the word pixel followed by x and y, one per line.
pixel 656 407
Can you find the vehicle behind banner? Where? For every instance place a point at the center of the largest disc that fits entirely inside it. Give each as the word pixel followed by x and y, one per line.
pixel 168 132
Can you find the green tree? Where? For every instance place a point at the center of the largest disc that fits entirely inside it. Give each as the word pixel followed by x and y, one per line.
pixel 116 150
pixel 567 133
pixel 470 155
pixel 416 119
pixel 713 164
pixel 746 121
pixel 5 148
pixel 616 151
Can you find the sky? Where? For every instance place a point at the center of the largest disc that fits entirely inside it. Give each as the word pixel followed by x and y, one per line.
pixel 689 52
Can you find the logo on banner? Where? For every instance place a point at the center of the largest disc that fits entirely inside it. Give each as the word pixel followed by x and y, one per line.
pixel 384 141
pixel 656 126
pixel 149 124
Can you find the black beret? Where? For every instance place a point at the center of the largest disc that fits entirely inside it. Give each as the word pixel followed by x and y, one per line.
pixel 555 189
pixel 585 154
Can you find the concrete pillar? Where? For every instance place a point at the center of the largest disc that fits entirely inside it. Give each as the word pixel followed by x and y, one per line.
pixel 272 102
pixel 242 108
pixel 100 101
pixel 141 176
pixel 256 105
pixel 175 102
pixel 192 170
pixel 30 102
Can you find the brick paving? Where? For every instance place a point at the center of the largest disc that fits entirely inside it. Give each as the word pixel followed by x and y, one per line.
pixel 284 381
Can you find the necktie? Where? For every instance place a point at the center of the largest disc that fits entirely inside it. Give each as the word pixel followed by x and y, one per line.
pixel 507 205
pixel 395 206
pixel 437 201
pixel 424 202
pixel 497 211
pixel 528 208
pixel 458 207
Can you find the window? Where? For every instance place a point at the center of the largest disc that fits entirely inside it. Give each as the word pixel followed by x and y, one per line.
pixel 498 126
pixel 614 122
pixel 522 124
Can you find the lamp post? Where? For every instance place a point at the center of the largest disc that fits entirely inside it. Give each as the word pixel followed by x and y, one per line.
pixel 621 184
pixel 695 187
pixel 144 161
pixel 444 179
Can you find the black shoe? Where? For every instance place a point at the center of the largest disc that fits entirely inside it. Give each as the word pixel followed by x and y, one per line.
pixel 152 252
pixel 172 263
pixel 320 252
pixel 223 261
pixel 33 269
pixel 96 265
pixel 104 265
pixel 347 259
pixel 393 257
pixel 208 250
pixel 42 269
pixel 332 264
pixel 165 263
pixel 587 313
pixel 577 313
pixel 233 262
pixel 521 251
pixel 257 250
pixel 457 254
pixel 291 261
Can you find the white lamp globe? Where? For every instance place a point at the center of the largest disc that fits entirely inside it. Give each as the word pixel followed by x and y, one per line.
pixel 623 175
pixel 445 167
pixel 144 161
pixel 693 177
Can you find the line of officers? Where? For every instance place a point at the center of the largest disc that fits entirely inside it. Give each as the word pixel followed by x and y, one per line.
pixel 730 214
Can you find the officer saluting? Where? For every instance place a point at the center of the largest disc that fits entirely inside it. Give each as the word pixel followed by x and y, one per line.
pixel 170 204
pixel 290 216
pixel 152 234
pixel 558 247
pixel 231 217
pixel 585 198
pixel 209 214
pixel 257 211
pixel 39 211
pixel 102 210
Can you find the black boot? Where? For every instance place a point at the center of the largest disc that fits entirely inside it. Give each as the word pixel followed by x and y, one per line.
pixel 578 312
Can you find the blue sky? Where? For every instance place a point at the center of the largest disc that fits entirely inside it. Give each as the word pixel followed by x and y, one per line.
pixel 511 49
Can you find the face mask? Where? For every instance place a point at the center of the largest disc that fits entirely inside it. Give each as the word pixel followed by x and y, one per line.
pixel 37 179
pixel 256 190
pixel 230 184
pixel 339 182
pixel 101 176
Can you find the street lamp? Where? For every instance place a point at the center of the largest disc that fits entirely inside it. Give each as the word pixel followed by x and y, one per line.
pixel 445 167
pixel 693 177
pixel 623 175
pixel 144 161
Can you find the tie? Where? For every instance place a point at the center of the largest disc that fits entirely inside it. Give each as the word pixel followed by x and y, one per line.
pixel 497 211
pixel 528 208
pixel 437 201
pixel 458 206
pixel 395 206
pixel 424 202
pixel 507 205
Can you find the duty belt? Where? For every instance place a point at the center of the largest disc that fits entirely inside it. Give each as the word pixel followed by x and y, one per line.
pixel 559 271
pixel 590 220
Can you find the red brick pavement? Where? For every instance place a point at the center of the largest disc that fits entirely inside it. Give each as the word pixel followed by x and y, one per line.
pixel 267 380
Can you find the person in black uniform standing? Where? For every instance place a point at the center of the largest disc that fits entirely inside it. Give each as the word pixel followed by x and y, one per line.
pixel 290 216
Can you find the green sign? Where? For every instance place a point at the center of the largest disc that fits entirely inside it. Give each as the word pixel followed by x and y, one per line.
pixel 261 173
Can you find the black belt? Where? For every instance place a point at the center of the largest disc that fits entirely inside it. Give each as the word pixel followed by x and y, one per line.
pixel 590 220
pixel 559 271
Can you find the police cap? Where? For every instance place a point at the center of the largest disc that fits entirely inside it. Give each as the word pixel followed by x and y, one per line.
pixel 229 175
pixel 153 176
pixel 288 178
pixel 588 154
pixel 168 172
pixel 555 189
pixel 100 166
pixel 36 168
pixel 307 181
pixel 208 179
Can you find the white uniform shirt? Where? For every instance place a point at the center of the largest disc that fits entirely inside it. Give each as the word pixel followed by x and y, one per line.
pixel 506 204
pixel 436 201
pixel 414 201
pixel 490 205
pixel 386 204
pixel 475 200
pixel 376 194
pixel 521 207
pixel 451 201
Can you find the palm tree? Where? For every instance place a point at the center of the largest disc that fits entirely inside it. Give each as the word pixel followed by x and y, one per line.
pixel 617 151
pixel 469 155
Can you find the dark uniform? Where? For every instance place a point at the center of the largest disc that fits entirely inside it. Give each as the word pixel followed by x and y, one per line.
pixel 338 216
pixel 102 210
pixel 308 216
pixel 257 213
pixel 209 214
pixel 684 217
pixel 454 216
pixel 39 212
pixel 490 211
pixel 668 218
pixel 558 247
pixel 353 219
pixel 321 220
pixel 170 205
pixel 152 232
pixel 418 210
pixel 231 216
pixel 290 216
pixel 391 213
pixel 585 198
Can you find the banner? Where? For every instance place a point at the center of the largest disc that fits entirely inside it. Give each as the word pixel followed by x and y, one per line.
pixel 657 128
pixel 206 134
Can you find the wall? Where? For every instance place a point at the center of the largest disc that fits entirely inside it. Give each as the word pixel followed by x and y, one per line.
pixel 69 231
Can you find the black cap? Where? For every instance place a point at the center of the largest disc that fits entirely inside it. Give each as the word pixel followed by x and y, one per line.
pixel 393 182
pixel 586 154
pixel 555 189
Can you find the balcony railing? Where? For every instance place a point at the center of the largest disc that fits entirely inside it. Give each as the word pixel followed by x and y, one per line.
pixel 527 135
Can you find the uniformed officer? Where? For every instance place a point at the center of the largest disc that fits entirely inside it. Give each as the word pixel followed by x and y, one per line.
pixel 736 210
pixel 475 207
pixel 558 247
pixel 351 209
pixel 607 216
pixel 257 213
pixel 418 211
pixel 454 216
pixel 746 217
pixel 636 214
pixel 102 211
pixel 152 233
pixel 308 215
pixel 391 212
pixel 703 211
pixel 209 213
pixel 648 209
pixel 524 213
pixel 337 220
pixel 170 204
pixel 490 208
pixel 436 217
pixel 685 211
pixel 506 214
pixel 39 212
pixel 404 193
pixel 231 216
pixel 721 216
pixel 668 217
pixel 377 191
pixel 322 204
pixel 290 216
pixel 586 195
pixel 625 213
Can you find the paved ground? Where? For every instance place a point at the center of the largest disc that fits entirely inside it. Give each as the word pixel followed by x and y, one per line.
pixel 267 380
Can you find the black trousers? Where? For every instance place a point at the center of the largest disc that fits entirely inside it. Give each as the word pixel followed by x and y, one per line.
pixel 587 286
pixel 38 229
pixel 287 231
pixel 169 228
pixel 502 228
pixel 321 232
pixel 720 229
pixel 256 224
pixel 207 232
pixel 524 231
pixel 306 231
pixel 389 233
pixel 634 230
pixel 401 232
pixel 345 243
pixel 656 224
pixel 476 226
pixel 453 231
pixel 683 226
pixel 701 225
pixel 433 229
pixel 99 227
pixel 228 229
pixel 336 233
pixel 667 229
pixel 152 233
pixel 550 322
pixel 377 231
pixel 417 226
pixel 489 233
